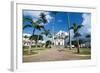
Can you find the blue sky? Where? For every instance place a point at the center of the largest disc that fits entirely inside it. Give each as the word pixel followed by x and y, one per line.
pixel 59 21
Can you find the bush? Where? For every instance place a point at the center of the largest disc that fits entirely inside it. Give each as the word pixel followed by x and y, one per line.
pixel 48 44
pixel 33 46
pixel 25 47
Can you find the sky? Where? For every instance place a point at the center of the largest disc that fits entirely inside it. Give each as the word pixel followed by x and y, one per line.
pixel 59 21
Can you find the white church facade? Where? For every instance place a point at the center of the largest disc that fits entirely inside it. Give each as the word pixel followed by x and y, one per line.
pixel 59 38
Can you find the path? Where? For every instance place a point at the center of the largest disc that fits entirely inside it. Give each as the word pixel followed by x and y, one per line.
pixel 54 55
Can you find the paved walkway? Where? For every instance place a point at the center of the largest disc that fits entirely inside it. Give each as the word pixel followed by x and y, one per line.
pixel 54 55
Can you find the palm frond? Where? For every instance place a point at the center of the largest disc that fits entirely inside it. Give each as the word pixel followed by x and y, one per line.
pixel 43 18
pixel 88 36
pixel 77 34
pixel 39 27
pixel 75 27
pixel 46 32
pixel 39 21
pixel 26 26
pixel 34 23
pixel 71 28
pixel 27 19
pixel 79 26
pixel 42 15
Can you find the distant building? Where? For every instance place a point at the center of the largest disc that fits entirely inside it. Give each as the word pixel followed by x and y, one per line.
pixel 27 42
pixel 59 38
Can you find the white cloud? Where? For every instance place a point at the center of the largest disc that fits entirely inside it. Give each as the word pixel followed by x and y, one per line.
pixel 26 34
pixel 86 24
pixel 49 18
pixel 36 14
pixel 45 38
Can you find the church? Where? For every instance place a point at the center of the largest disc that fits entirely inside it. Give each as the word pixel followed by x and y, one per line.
pixel 59 38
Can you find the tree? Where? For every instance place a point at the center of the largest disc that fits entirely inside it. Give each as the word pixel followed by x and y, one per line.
pixel 25 36
pixel 50 36
pixel 43 18
pixel 47 34
pixel 65 41
pixel 48 44
pixel 54 13
pixel 88 40
pixel 75 29
pixel 66 37
pixel 33 25
pixel 69 31
pixel 36 38
pixel 88 36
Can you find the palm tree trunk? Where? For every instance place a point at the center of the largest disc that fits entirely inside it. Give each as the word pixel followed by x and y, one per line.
pixel 33 31
pixel 78 48
pixel 69 32
pixel 30 44
pixel 37 41
pixel 53 30
pixel 30 48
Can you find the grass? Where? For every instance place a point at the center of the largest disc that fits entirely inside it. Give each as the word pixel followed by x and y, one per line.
pixel 35 50
pixel 32 52
pixel 84 51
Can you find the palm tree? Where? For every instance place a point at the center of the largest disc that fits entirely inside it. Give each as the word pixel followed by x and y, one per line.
pixel 43 18
pixel 36 38
pixel 50 36
pixel 33 25
pixel 46 33
pixel 48 44
pixel 69 31
pixel 65 40
pixel 88 37
pixel 75 28
pixel 54 13
pixel 25 36
pixel 66 37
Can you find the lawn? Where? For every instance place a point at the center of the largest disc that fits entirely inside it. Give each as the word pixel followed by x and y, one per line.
pixel 84 51
pixel 35 50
